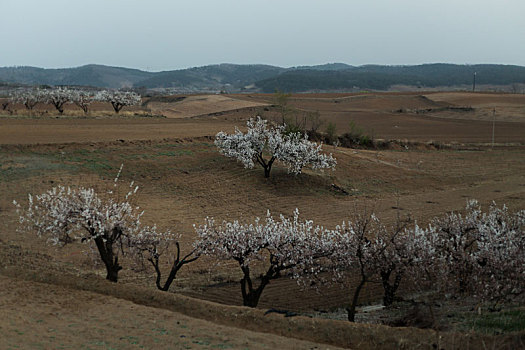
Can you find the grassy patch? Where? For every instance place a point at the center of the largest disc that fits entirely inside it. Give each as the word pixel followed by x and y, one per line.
pixel 183 152
pixel 495 322
pixel 17 166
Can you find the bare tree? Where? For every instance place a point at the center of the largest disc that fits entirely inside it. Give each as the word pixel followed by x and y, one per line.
pixel 280 100
pixel 150 245
pixel 361 244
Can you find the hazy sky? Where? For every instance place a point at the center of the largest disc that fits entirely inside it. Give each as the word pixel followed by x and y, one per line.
pixel 163 35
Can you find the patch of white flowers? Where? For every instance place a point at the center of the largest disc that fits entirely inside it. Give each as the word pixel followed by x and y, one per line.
pixel 118 98
pixel 288 244
pixel 479 253
pixel 65 214
pixel 60 96
pixel 28 97
pixel 293 150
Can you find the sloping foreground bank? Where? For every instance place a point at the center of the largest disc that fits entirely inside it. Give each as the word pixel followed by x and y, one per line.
pixel 336 333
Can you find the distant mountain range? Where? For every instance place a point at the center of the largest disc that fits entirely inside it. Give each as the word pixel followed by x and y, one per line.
pixel 265 78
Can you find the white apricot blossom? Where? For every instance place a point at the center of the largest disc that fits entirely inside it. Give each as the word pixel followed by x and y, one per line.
pixel 280 245
pixel 481 254
pixel 58 97
pixel 65 214
pixel 294 150
pixel 82 99
pixel 118 98
pixel 28 97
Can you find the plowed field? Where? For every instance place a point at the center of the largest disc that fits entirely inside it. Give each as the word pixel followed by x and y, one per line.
pixel 183 179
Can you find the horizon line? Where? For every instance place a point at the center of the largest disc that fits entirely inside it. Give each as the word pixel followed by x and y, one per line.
pixel 261 64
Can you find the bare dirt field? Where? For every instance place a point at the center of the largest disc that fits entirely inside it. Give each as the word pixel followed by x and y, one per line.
pixel 183 179
pixel 200 105
pixel 44 316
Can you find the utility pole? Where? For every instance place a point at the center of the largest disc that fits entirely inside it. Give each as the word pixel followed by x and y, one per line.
pixel 493 125
pixel 474 82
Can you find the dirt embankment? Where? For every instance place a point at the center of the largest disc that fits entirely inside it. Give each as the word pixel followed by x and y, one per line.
pixel 65 309
pixel 192 106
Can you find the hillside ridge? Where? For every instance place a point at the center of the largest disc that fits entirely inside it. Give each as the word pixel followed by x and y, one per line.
pixel 228 77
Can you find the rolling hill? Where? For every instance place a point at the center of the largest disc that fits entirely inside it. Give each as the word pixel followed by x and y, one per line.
pixel 89 75
pixel 384 77
pixel 266 78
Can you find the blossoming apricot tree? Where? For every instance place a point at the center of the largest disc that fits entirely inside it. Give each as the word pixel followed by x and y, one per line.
pixel 294 150
pixel 82 99
pixel 58 97
pixel 65 215
pixel 118 98
pixel 284 245
pixel 480 254
pixel 28 97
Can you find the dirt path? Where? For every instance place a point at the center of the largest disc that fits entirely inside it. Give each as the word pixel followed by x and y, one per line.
pixel 34 131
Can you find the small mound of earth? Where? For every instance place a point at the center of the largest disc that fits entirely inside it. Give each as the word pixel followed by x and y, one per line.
pixel 198 105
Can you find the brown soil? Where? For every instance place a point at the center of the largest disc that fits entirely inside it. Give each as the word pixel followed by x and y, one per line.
pixel 51 306
pixel 44 316
pixel 183 179
pixel 200 105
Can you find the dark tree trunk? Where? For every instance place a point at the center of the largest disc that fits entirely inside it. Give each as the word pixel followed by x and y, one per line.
pixel 107 255
pixel 390 289
pixel 112 272
pixel 59 106
pixel 83 106
pixel 117 106
pixel 251 296
pixel 177 264
pixel 4 105
pixel 267 166
pixel 267 172
pixel 351 309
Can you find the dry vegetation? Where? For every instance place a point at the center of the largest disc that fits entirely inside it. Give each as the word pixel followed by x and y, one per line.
pixel 443 157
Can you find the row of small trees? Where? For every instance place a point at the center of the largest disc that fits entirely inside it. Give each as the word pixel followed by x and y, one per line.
pixel 109 221
pixel 479 254
pixel 58 97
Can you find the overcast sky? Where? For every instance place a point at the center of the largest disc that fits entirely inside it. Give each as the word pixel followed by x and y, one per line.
pixel 159 35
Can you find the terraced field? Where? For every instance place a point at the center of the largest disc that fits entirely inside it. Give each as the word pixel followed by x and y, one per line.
pixel 183 179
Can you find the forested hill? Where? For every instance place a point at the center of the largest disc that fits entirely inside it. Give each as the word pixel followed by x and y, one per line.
pixel 266 78
pixel 384 77
pixel 89 75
